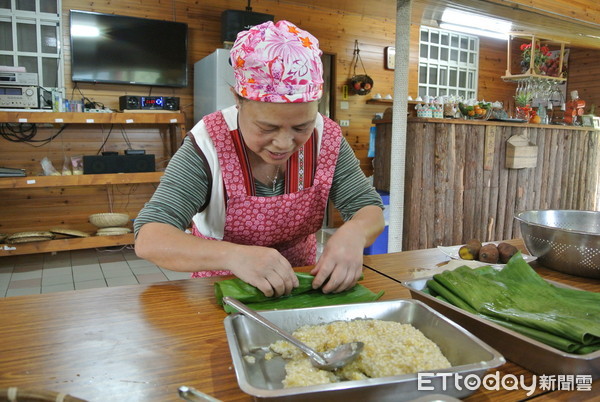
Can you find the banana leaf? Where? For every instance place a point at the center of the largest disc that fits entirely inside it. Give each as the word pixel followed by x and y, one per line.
pixel 441 293
pixel 302 296
pixel 246 293
pixel 518 298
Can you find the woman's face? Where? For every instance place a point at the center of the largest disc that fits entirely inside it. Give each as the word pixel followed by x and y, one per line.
pixel 274 131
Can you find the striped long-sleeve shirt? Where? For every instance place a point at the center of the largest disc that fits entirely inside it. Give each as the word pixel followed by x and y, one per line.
pixel 183 189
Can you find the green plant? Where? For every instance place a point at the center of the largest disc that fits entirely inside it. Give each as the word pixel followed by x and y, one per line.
pixel 523 98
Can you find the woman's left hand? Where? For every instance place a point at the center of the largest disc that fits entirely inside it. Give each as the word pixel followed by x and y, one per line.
pixel 340 265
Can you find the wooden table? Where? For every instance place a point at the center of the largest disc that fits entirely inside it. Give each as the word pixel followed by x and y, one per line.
pixel 409 265
pixel 129 343
pixel 141 342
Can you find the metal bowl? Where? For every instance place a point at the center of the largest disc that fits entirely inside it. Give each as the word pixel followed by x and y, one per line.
pixel 564 240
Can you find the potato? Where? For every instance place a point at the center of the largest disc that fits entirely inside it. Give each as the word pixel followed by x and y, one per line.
pixel 470 251
pixel 466 252
pixel 489 254
pixel 506 251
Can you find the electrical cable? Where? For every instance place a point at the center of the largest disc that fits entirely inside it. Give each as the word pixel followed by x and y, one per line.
pixel 87 102
pixel 125 137
pixel 42 96
pixel 106 139
pixel 25 133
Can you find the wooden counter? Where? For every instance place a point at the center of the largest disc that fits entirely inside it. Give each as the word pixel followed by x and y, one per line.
pixel 128 343
pixel 142 342
pixel 458 188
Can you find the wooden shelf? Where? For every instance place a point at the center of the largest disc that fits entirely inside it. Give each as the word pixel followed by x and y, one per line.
pixel 530 73
pixel 380 102
pixel 65 244
pixel 527 76
pixel 41 117
pixel 79 180
pixel 173 121
pixel 390 102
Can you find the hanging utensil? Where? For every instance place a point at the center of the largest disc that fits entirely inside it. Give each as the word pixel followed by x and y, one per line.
pixel 360 84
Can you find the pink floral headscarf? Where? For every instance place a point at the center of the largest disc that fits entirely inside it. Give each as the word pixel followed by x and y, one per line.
pixel 277 62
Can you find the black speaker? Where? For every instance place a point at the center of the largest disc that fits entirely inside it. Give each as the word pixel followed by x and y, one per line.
pixel 130 102
pixel 171 103
pixel 235 21
pixel 118 164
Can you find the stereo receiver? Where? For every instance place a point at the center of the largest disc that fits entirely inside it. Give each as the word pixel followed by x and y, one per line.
pixel 19 96
pixel 133 102
pixel 18 78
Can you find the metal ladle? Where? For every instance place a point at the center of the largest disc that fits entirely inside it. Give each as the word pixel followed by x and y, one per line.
pixel 331 360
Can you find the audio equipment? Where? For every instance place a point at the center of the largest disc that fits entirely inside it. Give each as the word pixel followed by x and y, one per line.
pixel 19 96
pixel 18 78
pixel 19 90
pixel 234 21
pixel 135 152
pixel 133 102
pixel 118 164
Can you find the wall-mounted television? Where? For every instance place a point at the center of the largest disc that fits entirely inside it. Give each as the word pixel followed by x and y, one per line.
pixel 117 49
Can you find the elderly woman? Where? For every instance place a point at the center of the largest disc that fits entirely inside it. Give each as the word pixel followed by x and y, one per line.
pixel 253 180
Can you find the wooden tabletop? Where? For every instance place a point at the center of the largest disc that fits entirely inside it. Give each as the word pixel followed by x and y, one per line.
pixel 142 342
pixel 416 264
pixel 128 343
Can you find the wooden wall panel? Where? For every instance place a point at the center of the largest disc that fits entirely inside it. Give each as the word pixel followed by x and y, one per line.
pixel 584 70
pixel 336 24
pixel 450 198
pixel 69 207
pixel 337 27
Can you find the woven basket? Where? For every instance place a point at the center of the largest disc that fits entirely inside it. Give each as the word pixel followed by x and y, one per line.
pixel 361 84
pixel 112 231
pixel 26 237
pixel 69 232
pixel 106 220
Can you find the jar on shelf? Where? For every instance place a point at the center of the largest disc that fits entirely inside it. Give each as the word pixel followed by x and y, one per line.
pixel 523 112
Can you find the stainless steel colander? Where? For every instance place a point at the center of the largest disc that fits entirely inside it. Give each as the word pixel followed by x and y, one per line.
pixel 564 240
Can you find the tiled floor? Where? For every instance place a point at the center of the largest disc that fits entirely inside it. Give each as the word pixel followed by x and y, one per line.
pixel 78 269
pixel 85 269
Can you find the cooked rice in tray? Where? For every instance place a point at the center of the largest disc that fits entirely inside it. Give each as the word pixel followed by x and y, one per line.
pixel 391 348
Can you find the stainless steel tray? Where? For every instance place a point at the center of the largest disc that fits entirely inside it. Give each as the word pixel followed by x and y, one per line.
pixel 263 378
pixel 522 350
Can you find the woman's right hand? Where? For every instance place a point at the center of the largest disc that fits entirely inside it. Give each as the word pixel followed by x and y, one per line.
pixel 171 248
pixel 264 268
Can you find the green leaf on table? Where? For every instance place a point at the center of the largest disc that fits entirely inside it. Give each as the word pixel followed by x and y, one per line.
pixel 302 296
pixel 518 298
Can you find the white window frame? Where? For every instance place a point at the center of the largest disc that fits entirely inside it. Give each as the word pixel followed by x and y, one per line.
pixel 431 79
pixel 38 19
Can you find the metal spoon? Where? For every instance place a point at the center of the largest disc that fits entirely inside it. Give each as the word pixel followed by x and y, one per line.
pixel 331 360
pixel 193 395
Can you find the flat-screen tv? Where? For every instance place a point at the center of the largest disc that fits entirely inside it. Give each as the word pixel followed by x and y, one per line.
pixel 117 49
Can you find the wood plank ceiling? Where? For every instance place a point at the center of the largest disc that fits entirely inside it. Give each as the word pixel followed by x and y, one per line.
pixel 576 22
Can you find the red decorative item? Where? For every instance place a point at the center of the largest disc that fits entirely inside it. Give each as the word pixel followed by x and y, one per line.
pixel 361 84
pixel 574 108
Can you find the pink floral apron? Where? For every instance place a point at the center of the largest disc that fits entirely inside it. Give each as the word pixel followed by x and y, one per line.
pixel 285 222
